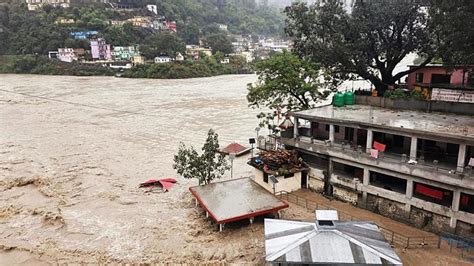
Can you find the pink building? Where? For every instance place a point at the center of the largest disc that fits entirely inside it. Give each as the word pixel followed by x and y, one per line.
pixel 100 50
pixel 437 75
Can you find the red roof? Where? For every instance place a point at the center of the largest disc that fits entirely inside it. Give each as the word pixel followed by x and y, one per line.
pixel 234 148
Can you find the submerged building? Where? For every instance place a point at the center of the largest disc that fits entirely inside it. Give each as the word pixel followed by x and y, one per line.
pixel 408 165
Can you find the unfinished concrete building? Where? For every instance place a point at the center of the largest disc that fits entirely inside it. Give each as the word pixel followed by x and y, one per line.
pixel 423 173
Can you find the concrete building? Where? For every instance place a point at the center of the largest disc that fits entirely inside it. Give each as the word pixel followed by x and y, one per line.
pixel 408 165
pixel 100 50
pixel 162 59
pixel 125 53
pixel 443 83
pixel 194 51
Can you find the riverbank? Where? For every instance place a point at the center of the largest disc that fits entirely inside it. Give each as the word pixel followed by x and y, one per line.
pixel 42 65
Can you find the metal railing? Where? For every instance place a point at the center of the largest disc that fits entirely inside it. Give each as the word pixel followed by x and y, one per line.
pixel 394 238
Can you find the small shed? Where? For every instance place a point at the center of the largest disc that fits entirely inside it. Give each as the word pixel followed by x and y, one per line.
pixel 235 200
pixel 327 242
pixel 235 148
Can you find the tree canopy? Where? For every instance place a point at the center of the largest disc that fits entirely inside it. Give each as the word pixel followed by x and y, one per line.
pixel 286 83
pixel 219 42
pixel 205 167
pixel 162 44
pixel 370 41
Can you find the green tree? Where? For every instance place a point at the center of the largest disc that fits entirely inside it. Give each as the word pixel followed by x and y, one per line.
pixel 219 43
pixel 452 23
pixel 160 44
pixel 369 42
pixel 285 83
pixel 206 167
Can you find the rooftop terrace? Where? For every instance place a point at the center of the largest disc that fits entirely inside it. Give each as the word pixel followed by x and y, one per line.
pixel 440 124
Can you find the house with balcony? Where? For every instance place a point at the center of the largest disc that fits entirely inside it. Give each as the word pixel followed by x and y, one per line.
pixel 408 165
pixel 445 83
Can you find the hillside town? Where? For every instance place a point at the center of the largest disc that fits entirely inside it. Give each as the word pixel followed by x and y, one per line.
pixel 219 132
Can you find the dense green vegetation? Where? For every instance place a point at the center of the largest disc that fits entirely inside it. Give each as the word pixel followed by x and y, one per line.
pixel 207 67
pixel 31 64
pixel 25 32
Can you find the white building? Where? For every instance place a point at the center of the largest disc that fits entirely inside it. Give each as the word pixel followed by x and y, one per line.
pixel 66 55
pixel 162 59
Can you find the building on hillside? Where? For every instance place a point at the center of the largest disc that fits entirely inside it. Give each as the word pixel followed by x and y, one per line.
pixel 152 8
pixel 443 83
pixel 194 51
pixel 276 45
pixel 100 50
pixel 65 21
pixel 225 61
pixel 326 242
pixel 68 54
pixel 138 60
pixel 179 57
pixel 118 22
pixel 162 59
pixel 144 22
pixel 164 25
pixel 407 165
pixel 83 35
pixel 222 27
pixel 36 4
pixel 124 53
pixel 247 55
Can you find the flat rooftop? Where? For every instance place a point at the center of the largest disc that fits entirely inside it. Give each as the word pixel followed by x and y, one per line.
pixel 440 124
pixel 236 199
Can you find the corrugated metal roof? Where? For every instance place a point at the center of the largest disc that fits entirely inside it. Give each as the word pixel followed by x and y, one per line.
pixel 347 242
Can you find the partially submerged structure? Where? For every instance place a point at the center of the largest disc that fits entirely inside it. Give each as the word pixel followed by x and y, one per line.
pixel 235 200
pixel 279 170
pixel 404 164
pixel 326 241
pixel 236 149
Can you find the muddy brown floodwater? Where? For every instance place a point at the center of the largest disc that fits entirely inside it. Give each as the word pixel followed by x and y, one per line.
pixel 74 149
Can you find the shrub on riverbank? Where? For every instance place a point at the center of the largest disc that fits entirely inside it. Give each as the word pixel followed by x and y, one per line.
pixel 30 64
pixel 183 69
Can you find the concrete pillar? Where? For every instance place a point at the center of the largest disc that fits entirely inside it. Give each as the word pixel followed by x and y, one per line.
pixel 413 148
pixel 408 194
pixel 251 220
pixel 455 208
pixel 207 214
pixel 370 140
pixel 461 158
pixel 331 133
pixel 365 183
pixel 295 128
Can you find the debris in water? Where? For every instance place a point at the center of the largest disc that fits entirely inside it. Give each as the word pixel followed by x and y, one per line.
pixel 165 183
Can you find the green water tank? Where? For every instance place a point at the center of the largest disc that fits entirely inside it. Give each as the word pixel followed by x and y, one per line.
pixel 349 98
pixel 338 100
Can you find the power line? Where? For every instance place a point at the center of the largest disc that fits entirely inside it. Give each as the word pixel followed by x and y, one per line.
pixel 78 104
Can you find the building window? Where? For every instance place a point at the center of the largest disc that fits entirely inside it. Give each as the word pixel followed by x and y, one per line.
pixel 265 177
pixel 327 128
pixel 289 175
pixel 419 77
pixel 440 79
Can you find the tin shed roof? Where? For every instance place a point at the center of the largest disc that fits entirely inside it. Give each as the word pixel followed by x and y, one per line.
pixel 345 243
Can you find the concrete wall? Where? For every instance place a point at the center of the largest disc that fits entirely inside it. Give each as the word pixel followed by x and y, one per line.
pixel 284 184
pixel 316 180
pixel 345 194
pixel 410 104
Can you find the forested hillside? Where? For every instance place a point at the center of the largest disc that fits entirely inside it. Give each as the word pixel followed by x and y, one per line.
pixel 37 32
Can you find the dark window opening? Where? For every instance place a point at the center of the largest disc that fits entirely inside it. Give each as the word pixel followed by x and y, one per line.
pixel 466 203
pixel 395 145
pixel 433 194
pixel 348 171
pixel 336 129
pixel 446 154
pixel 419 77
pixel 327 128
pixel 265 177
pixel 325 223
pixel 440 78
pixel 388 182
